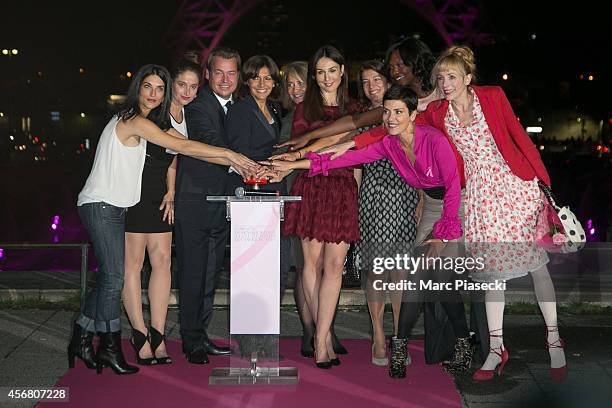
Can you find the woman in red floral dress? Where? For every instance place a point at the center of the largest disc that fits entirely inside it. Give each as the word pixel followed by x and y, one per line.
pixel 500 168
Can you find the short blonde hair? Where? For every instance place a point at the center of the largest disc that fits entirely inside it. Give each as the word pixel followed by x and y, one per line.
pixel 459 57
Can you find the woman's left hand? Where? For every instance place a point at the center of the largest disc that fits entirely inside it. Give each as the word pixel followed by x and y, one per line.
pixel 289 156
pixel 167 205
pixel 339 149
pixel 283 166
pixel 295 143
pixel 434 247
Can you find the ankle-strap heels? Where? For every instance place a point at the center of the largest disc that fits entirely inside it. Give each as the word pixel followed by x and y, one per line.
pixel 487 375
pixel 139 339
pixel 157 338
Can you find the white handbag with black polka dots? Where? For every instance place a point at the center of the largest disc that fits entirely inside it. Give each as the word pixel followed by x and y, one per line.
pixel 575 238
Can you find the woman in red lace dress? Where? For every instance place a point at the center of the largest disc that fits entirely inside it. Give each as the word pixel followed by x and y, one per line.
pixel 326 219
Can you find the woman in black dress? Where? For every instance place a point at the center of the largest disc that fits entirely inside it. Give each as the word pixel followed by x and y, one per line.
pixel 149 227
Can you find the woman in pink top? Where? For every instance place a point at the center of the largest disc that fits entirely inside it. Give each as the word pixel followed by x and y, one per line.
pixel 424 158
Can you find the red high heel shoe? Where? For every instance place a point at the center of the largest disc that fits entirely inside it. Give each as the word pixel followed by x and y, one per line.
pixel 487 375
pixel 560 373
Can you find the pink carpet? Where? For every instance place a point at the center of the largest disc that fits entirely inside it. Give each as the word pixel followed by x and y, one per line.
pixel 356 383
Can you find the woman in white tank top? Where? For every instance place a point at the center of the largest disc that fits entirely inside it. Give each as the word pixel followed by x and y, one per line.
pixel 149 228
pixel 112 186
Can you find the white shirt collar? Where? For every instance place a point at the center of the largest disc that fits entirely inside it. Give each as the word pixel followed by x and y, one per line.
pixel 223 101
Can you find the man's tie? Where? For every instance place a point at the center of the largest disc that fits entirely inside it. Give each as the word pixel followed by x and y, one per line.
pixel 227 105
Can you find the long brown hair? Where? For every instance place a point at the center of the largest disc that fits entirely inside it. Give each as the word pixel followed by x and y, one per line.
pixel 313 100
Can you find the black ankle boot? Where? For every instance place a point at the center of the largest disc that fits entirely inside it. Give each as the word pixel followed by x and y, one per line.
pixel 461 360
pixel 80 346
pixel 110 354
pixel 399 353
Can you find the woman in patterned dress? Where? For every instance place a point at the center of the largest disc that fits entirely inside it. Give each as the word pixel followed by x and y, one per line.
pixel 500 168
pixel 387 223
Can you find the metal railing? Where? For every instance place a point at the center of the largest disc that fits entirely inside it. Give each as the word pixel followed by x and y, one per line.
pixel 83 246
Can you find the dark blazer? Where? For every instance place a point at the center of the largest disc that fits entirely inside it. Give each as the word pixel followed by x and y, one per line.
pixel 249 133
pixel 197 179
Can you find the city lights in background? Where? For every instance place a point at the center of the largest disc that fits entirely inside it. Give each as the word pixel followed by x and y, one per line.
pixel 505 77
pixel 590 228
pixel 128 74
pixel 82 114
pixel 55 224
pixel 55 228
pixel 1 253
pixel 534 129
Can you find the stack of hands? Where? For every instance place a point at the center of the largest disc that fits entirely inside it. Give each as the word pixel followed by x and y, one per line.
pixel 250 169
pixel 278 166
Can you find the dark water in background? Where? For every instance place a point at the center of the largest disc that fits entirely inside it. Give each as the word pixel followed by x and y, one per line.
pixel 31 199
pixel 32 196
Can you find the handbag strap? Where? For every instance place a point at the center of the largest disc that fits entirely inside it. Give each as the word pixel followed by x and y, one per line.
pixel 548 194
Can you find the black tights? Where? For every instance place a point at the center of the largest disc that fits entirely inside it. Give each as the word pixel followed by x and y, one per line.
pixel 450 300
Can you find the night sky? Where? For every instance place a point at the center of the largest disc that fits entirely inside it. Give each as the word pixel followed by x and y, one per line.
pixel 111 37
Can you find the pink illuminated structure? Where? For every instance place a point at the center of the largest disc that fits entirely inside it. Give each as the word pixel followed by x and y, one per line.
pixel 201 24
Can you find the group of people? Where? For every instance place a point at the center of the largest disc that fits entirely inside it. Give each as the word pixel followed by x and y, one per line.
pixel 446 167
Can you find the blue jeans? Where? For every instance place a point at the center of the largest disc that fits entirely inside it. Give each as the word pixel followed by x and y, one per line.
pixel 105 224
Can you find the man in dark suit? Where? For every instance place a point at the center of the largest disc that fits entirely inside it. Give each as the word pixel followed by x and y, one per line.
pixel 201 230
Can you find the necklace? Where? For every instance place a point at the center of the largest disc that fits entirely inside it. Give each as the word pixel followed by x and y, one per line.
pixel 469 105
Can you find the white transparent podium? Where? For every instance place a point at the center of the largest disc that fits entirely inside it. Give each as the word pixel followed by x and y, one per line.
pixel 254 291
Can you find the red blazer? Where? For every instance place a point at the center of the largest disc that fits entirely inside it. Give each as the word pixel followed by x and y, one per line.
pixel 513 143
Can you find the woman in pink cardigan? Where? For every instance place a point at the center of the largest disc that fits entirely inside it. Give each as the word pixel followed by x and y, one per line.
pixel 424 159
